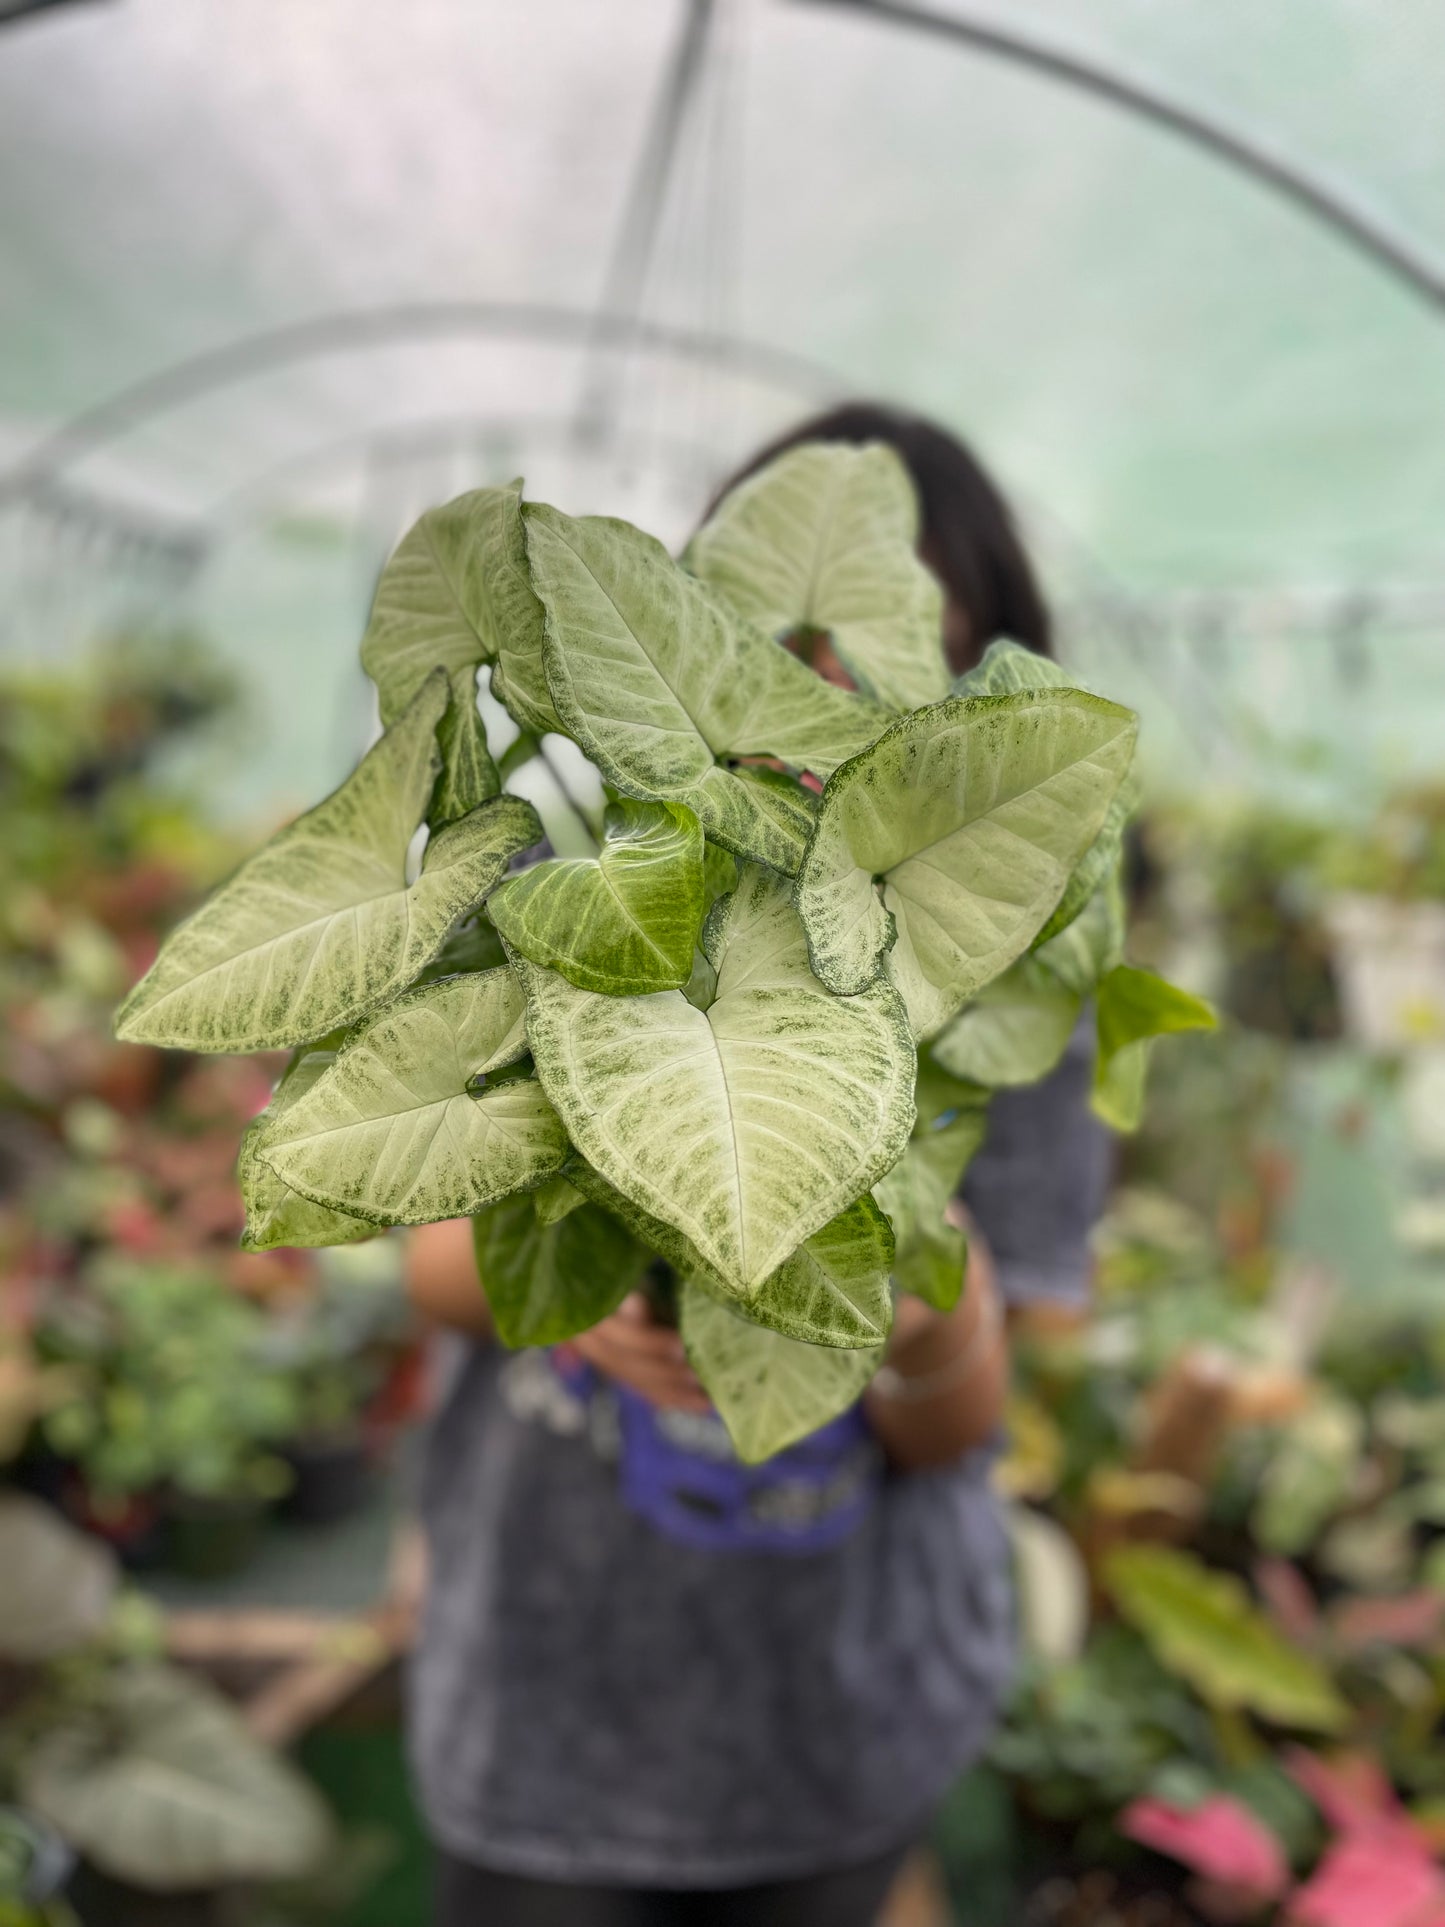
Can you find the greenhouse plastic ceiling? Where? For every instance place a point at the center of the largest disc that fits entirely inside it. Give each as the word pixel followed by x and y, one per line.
pixel 271 278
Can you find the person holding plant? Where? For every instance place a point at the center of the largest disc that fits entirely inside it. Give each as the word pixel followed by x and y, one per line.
pixel 655 1684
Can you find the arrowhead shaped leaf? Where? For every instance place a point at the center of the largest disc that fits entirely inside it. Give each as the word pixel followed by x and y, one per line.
pixel 747 1126
pixel 548 1281
pixel 971 815
pixel 320 926
pixel 1203 1626
pixel 952 1121
pixel 454 595
pixel 275 1214
pixel 1015 1030
pixel 770 1391
pixel 164 1787
pixel 59 1583
pixel 469 776
pixel 395 1130
pixel 825 538
pixel 833 1290
pixel 1006 668
pixel 660 685
pixel 623 922
pixel 1133 1008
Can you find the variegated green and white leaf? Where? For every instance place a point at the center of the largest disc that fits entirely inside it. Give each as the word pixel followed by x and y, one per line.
pixel 825 538
pixel 1132 1009
pixel 623 922
pixel 951 1124
pixel 469 776
pixel 167 1788
pixel 547 1281
pixel 770 1391
pixel 1014 1032
pixel 747 1126
pixel 456 594
pixel 661 685
pixel 1006 667
pixel 971 815
pixel 396 1129
pixel 833 1290
pixel 275 1214
pixel 320 926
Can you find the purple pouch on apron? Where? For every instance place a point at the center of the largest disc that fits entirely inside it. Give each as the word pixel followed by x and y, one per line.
pixel 678 1470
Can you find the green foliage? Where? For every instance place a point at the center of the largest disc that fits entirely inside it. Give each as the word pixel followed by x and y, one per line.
pixel 1203 1626
pixel 824 540
pixel 58 1586
pixel 321 925
pixel 661 685
pixel 548 1278
pixel 161 1785
pixel 770 1390
pixel 624 922
pixel 1133 1008
pixel 173 1384
pixel 412 1122
pixel 747 1126
pixel 992 801
pixel 671 1049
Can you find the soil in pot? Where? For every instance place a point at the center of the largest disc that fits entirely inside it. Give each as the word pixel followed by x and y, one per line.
pixel 210 1538
pixel 333 1475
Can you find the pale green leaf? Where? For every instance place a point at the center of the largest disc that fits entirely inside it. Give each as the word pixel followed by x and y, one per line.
pixel 1098 863
pixel 456 594
pixel 661 686
pixel 275 1214
pixel 320 925
pixel 833 1290
pixel 952 1120
pixel 1203 1626
pixel 469 776
pixel 554 1199
pixel 548 1281
pixel 397 1130
pixel 1091 945
pixel 770 1391
pixel 1006 667
pixel 162 1785
pixel 825 538
pixel 747 1126
pixel 59 1583
pixel 1132 1008
pixel 622 922
pixel 1014 1032
pixel 971 816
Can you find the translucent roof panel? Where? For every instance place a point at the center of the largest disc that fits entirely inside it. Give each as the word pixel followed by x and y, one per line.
pixel 341 261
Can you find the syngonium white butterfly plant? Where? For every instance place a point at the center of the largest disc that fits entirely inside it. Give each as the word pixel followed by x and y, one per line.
pixel 748 1046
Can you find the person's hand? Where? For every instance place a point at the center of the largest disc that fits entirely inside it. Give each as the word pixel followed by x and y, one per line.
pixel 648 1357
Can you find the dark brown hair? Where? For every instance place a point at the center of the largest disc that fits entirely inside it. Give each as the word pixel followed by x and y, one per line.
pixel 968 536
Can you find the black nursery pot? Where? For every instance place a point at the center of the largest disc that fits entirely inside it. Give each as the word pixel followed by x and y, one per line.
pixel 333 1475
pixel 112 1903
pixel 212 1538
